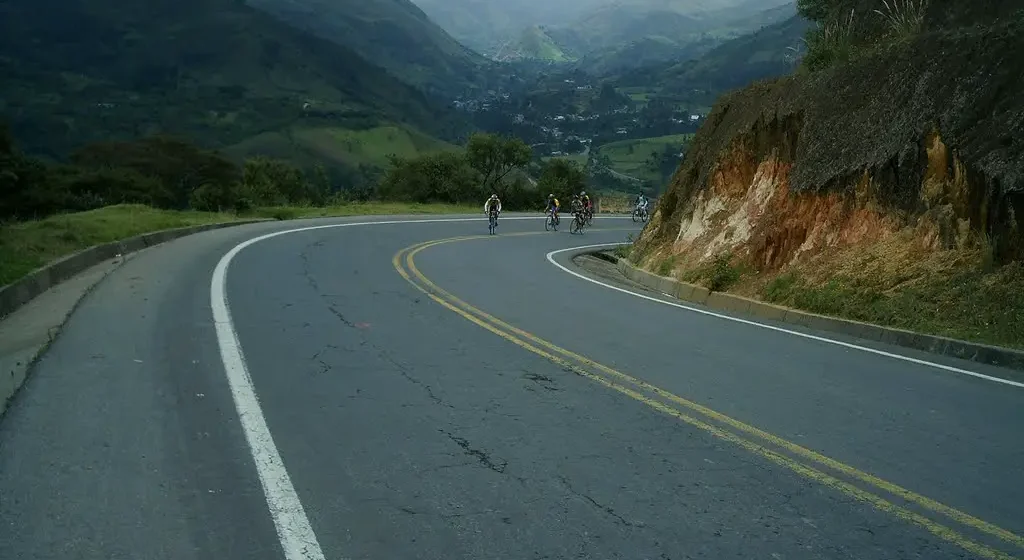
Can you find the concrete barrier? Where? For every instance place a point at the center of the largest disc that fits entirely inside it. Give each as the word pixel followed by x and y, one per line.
pixel 20 292
pixel 981 353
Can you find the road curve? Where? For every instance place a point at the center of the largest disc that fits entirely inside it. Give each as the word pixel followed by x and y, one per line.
pixel 429 392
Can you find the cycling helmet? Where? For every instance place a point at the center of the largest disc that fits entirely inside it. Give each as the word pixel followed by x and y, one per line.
pixel 494 196
pixel 551 196
pixel 584 193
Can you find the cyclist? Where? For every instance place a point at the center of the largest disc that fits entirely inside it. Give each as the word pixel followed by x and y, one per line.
pixel 552 206
pixel 588 206
pixel 493 203
pixel 576 205
pixel 641 201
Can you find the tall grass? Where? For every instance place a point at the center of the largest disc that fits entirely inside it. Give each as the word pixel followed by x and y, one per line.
pixel 905 18
pixel 831 43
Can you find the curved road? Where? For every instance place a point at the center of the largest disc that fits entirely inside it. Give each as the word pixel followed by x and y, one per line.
pixel 426 395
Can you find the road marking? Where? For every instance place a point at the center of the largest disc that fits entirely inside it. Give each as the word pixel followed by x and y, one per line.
pixel 531 342
pixel 952 369
pixel 294 531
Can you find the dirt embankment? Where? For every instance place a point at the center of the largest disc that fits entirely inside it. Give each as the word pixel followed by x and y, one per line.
pixel 892 175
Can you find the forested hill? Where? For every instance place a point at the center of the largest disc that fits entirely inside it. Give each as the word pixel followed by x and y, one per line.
pixel 216 71
pixel 395 34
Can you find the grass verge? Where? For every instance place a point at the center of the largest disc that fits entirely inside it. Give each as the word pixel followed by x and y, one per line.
pixel 27 246
pixel 956 293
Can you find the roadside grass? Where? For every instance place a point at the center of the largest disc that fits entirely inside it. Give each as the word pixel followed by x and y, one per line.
pixel 718 275
pixel 955 293
pixel 27 246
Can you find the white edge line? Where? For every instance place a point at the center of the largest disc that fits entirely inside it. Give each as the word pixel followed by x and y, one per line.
pixel 294 531
pixel 550 257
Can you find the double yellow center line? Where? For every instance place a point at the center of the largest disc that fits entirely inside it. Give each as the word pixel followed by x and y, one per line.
pixel 839 476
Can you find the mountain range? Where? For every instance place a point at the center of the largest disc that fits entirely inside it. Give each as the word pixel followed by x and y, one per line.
pixel 771 51
pixel 216 71
pixel 581 28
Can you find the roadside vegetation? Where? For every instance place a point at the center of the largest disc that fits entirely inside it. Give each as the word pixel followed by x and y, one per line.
pixel 957 293
pixel 845 29
pixel 113 190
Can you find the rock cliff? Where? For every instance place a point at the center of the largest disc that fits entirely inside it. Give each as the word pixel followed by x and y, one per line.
pixel 919 142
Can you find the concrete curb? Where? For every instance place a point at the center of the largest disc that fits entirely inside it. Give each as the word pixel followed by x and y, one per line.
pixel 20 292
pixel 720 301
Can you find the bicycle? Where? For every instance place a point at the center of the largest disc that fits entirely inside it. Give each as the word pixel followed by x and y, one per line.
pixel 551 223
pixel 590 216
pixel 579 222
pixel 640 214
pixel 492 222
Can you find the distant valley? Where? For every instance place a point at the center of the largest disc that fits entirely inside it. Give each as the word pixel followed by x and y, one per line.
pixel 345 84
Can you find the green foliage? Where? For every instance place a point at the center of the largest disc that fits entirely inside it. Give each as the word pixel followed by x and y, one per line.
pixel 444 177
pixel 666 266
pixel 494 157
pixel 723 274
pixel 625 251
pixel 562 178
pixel 831 43
pixel 157 171
pixel 969 304
pixel 179 166
pixel 717 276
pixel 905 18
pixel 815 10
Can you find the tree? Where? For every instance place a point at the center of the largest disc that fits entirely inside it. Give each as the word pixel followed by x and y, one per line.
pixel 180 166
pixel 320 186
pixel 442 177
pixel 273 182
pixel 562 178
pixel 494 157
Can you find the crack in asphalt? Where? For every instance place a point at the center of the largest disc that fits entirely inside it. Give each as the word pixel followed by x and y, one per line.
pixel 606 509
pixel 381 352
pixel 544 381
pixel 404 372
pixel 482 457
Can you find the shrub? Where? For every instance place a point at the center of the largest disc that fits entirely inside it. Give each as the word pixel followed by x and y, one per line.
pixel 443 177
pixel 723 274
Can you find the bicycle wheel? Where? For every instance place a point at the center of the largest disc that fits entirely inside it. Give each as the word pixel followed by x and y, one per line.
pixel 590 219
pixel 575 226
pixel 644 216
pixel 492 223
pixel 548 223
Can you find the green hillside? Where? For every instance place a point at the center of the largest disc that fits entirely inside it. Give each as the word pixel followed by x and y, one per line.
pixel 215 71
pixel 394 34
pixel 632 157
pixel 342 147
pixel 535 44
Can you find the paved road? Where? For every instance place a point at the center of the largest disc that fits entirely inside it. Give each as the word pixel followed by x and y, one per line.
pixel 489 406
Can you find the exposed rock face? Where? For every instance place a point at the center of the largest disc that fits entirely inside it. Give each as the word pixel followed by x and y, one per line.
pixel 926 135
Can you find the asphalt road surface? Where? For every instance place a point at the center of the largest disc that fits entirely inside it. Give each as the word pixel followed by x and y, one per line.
pixel 469 399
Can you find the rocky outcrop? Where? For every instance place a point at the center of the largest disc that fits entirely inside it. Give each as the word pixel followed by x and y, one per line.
pixel 923 136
